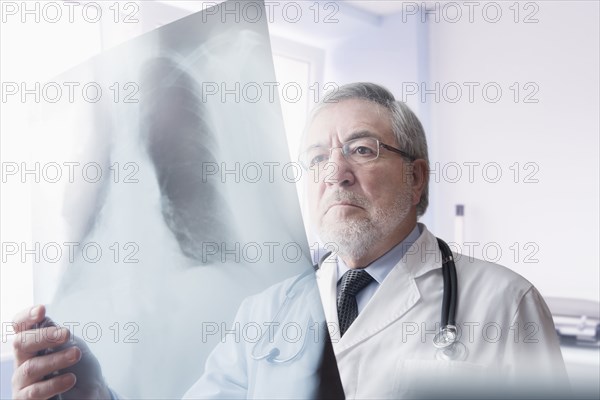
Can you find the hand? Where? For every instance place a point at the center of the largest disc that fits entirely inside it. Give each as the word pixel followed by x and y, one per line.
pixel 48 361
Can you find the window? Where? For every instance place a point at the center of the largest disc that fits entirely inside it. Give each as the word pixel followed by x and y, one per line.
pixel 300 67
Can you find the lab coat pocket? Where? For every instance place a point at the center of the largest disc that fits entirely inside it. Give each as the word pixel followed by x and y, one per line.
pixel 436 378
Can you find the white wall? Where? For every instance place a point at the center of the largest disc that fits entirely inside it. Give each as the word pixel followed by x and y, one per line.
pixel 545 230
pixel 559 214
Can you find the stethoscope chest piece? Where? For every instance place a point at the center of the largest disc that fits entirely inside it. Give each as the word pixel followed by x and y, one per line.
pixel 455 352
pixel 445 337
pixel 448 346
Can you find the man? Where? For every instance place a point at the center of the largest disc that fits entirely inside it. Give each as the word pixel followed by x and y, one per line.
pixel 369 209
pixel 382 290
pixel 366 156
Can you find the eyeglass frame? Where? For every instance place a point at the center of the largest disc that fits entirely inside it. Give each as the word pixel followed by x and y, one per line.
pixel 380 144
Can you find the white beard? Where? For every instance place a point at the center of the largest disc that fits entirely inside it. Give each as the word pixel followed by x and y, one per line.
pixel 354 237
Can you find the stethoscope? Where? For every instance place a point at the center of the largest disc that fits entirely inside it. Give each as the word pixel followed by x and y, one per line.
pixel 274 355
pixel 446 340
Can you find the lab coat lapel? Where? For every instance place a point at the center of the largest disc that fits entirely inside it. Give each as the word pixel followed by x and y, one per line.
pixel 396 296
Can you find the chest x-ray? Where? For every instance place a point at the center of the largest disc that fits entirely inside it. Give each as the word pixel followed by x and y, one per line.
pixel 183 209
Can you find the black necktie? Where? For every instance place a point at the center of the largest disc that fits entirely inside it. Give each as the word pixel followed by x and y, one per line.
pixel 353 281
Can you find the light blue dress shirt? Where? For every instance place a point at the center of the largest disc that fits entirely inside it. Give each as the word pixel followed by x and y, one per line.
pixel 379 268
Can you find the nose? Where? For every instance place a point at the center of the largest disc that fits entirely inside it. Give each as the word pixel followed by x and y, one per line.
pixel 338 171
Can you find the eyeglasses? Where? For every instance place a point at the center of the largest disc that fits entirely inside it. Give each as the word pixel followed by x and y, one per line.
pixel 358 151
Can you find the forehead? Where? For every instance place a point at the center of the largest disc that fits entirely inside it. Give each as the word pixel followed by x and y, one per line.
pixel 341 120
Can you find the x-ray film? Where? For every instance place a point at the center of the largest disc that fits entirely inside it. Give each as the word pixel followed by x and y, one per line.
pixel 180 203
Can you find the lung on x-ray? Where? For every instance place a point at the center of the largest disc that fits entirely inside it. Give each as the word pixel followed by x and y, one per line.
pixel 178 208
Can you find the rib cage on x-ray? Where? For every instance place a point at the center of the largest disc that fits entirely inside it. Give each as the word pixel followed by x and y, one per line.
pixel 179 142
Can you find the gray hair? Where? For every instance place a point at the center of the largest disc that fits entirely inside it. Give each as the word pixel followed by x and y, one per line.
pixel 406 126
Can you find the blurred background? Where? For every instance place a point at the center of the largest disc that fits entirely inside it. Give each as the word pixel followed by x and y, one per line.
pixel 508 93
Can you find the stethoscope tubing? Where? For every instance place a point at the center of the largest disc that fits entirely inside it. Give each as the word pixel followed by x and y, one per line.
pixel 450 295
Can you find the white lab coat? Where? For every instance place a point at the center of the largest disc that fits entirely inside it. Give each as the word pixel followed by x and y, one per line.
pixel 387 352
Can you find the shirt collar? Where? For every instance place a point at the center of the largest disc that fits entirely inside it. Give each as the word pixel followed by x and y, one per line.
pixel 381 267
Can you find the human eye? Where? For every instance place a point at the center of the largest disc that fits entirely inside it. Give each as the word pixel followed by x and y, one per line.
pixel 317 156
pixel 362 148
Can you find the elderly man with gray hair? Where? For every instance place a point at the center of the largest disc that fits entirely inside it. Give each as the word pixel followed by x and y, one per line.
pixel 384 285
pixel 404 317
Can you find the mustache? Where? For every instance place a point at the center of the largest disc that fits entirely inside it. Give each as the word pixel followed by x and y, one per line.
pixel 345 196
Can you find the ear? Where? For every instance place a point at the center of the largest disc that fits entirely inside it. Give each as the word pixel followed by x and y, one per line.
pixel 420 177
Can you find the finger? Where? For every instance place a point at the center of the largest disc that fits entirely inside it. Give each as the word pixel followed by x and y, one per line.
pixel 46 389
pixel 30 343
pixel 27 318
pixel 35 369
